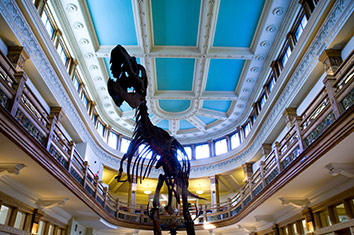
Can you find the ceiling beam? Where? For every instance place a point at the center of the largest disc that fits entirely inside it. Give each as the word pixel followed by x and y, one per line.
pixel 174 126
pixel 226 184
pixel 212 114
pixel 104 51
pixel 197 123
pixel 235 180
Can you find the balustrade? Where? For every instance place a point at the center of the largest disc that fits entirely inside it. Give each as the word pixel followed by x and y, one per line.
pixel 22 104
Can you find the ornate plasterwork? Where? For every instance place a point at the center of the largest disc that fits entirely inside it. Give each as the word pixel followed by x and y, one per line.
pixel 338 15
pixel 203 52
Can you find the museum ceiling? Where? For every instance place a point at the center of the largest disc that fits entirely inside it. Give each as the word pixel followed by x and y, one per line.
pixel 204 59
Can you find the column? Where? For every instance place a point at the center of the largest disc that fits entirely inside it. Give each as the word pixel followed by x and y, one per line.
pixel 307 6
pixel 40 4
pixel 56 37
pixel 132 195
pixel 248 173
pixel 291 40
pixel 37 215
pixel 55 117
pixel 20 85
pixel 211 148
pixel 275 229
pixel 72 66
pixel 214 190
pixel 265 150
pixel 331 60
pixel 276 67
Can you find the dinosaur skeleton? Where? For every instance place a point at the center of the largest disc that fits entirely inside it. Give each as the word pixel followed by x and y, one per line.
pixel 164 149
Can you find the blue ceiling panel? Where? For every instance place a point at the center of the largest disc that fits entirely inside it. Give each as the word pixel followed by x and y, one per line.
pixel 184 125
pixel 163 124
pixel 206 120
pixel 217 105
pixel 231 31
pixel 113 21
pixel 174 105
pixel 174 74
pixel 175 23
pixel 224 74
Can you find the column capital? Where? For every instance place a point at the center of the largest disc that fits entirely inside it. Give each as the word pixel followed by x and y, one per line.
pixel 331 59
pixel 289 114
pixel 18 56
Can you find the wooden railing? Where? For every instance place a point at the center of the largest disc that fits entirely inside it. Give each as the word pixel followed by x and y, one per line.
pixel 17 99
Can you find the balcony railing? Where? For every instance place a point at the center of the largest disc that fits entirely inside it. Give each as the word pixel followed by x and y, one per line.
pixel 17 99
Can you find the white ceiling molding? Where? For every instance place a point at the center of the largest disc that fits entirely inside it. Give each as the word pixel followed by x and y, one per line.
pixel 344 169
pixel 249 229
pixel 49 203
pixel 10 168
pixel 295 202
pixel 265 218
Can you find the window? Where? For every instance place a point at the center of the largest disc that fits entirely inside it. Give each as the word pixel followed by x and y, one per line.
pixel 113 140
pixel 300 28
pixel 220 147
pixel 48 26
pixel 100 129
pixel 124 145
pixel 20 220
pixel 94 118
pixel 76 83
pixel 304 227
pixel 246 129
pixel 324 218
pixel 62 54
pixel 4 212
pixel 271 84
pixel 188 151
pixel 85 100
pixel 41 227
pixel 286 55
pixel 235 140
pixel 202 151
pixel 340 211
pixel 262 101
pixel 50 230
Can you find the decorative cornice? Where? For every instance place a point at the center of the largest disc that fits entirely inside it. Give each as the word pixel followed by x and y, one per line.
pixel 336 18
pixel 344 169
pixel 10 168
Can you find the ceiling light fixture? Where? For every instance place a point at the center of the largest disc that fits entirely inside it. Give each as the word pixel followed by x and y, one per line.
pixel 200 191
pixel 208 226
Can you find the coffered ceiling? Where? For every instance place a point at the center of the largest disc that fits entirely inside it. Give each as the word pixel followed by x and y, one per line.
pixel 203 58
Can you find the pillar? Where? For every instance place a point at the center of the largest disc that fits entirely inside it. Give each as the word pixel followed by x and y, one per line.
pixel 307 6
pixel 331 60
pixel 55 117
pixel 247 171
pixel 37 215
pixel 132 194
pixel 214 190
pixel 40 4
pixel 275 229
